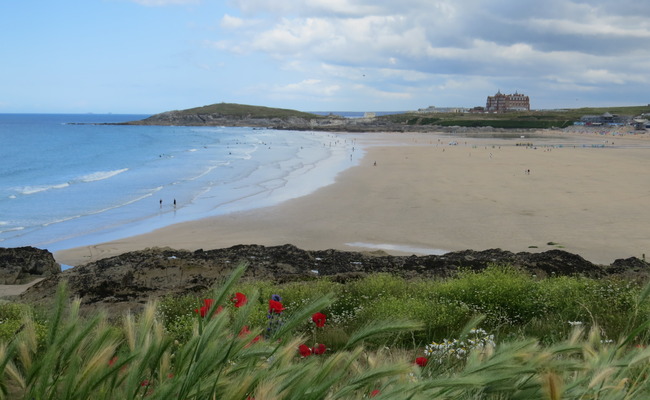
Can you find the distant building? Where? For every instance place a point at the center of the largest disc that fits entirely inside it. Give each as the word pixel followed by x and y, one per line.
pixel 604 119
pixel 501 103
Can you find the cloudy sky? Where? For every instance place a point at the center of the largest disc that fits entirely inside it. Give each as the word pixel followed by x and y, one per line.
pixel 149 56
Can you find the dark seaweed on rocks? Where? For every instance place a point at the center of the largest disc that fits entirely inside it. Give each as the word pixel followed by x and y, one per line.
pixel 127 281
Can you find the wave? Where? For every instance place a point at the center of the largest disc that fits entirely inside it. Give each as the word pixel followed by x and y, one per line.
pixel 102 210
pixel 18 228
pixel 101 175
pixel 93 177
pixel 27 190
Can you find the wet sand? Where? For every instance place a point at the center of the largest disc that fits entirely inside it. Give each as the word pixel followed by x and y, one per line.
pixel 426 196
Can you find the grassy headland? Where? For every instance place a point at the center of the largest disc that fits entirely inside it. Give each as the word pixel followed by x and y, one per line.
pixel 248 111
pixel 542 119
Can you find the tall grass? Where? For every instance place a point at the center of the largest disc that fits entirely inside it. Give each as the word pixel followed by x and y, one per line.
pixel 219 357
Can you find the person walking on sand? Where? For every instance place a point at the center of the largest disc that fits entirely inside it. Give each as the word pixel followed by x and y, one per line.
pixel 174 203
pixel 160 203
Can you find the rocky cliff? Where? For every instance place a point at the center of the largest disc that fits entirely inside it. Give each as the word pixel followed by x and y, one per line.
pixel 127 281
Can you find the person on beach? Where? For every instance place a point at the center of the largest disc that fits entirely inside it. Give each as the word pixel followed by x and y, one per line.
pixel 174 203
pixel 160 203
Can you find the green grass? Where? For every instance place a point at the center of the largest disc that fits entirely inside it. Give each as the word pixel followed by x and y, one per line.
pixel 375 329
pixel 543 119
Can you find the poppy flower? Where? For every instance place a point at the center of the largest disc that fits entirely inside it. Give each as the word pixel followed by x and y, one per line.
pixel 319 349
pixel 112 361
pixel 207 304
pixel 275 307
pixel 319 319
pixel 240 299
pixel 255 340
pixel 422 361
pixel 304 350
pixel 375 393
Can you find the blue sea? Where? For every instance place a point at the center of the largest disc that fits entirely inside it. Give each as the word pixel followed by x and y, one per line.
pixel 67 180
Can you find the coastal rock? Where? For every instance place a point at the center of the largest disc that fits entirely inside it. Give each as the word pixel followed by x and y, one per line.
pixel 128 281
pixel 22 265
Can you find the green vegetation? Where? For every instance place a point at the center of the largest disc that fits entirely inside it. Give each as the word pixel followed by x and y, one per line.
pixel 544 119
pixel 241 110
pixel 496 334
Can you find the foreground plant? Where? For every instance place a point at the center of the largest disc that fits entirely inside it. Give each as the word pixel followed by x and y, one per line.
pixel 225 358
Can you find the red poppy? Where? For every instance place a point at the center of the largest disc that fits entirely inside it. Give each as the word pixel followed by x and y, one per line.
pixel 304 350
pixel 421 361
pixel 255 340
pixel 275 307
pixel 375 393
pixel 240 299
pixel 244 331
pixel 319 349
pixel 319 319
pixel 207 303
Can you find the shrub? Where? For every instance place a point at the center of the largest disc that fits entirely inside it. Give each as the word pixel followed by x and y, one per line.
pixel 506 296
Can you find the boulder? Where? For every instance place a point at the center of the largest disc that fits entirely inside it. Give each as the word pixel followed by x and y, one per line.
pixel 22 265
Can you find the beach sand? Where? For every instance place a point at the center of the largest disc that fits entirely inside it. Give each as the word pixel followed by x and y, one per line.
pixel 424 195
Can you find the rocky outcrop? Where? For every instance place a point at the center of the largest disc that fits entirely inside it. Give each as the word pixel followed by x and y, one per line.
pixel 127 281
pixel 22 265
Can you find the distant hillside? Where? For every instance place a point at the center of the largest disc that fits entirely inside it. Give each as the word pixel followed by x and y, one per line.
pixel 230 114
pixel 246 111
pixel 542 119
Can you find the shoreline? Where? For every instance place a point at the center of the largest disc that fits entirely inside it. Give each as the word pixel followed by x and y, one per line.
pixel 425 194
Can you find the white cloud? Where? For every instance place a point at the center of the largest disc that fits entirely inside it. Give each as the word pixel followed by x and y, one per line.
pixel 609 26
pixel 230 22
pixel 309 86
pixel 410 48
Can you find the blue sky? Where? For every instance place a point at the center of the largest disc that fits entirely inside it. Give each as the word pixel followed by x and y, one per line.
pixel 149 56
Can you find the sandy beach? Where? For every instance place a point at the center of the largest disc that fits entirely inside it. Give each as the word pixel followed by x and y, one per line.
pixel 584 193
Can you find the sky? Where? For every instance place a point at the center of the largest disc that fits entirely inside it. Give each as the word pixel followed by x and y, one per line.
pixel 150 56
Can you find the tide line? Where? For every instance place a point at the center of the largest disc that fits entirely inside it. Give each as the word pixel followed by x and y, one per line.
pixel 400 248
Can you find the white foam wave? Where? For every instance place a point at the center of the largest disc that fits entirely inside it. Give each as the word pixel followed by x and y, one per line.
pixel 95 212
pixel 27 190
pixel 61 220
pixel 95 176
pixel 101 175
pixel 18 228
pixel 207 171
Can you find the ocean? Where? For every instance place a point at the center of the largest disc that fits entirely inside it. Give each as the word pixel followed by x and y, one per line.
pixel 69 180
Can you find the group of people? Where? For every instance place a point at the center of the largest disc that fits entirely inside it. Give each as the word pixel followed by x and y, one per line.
pixel 162 202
